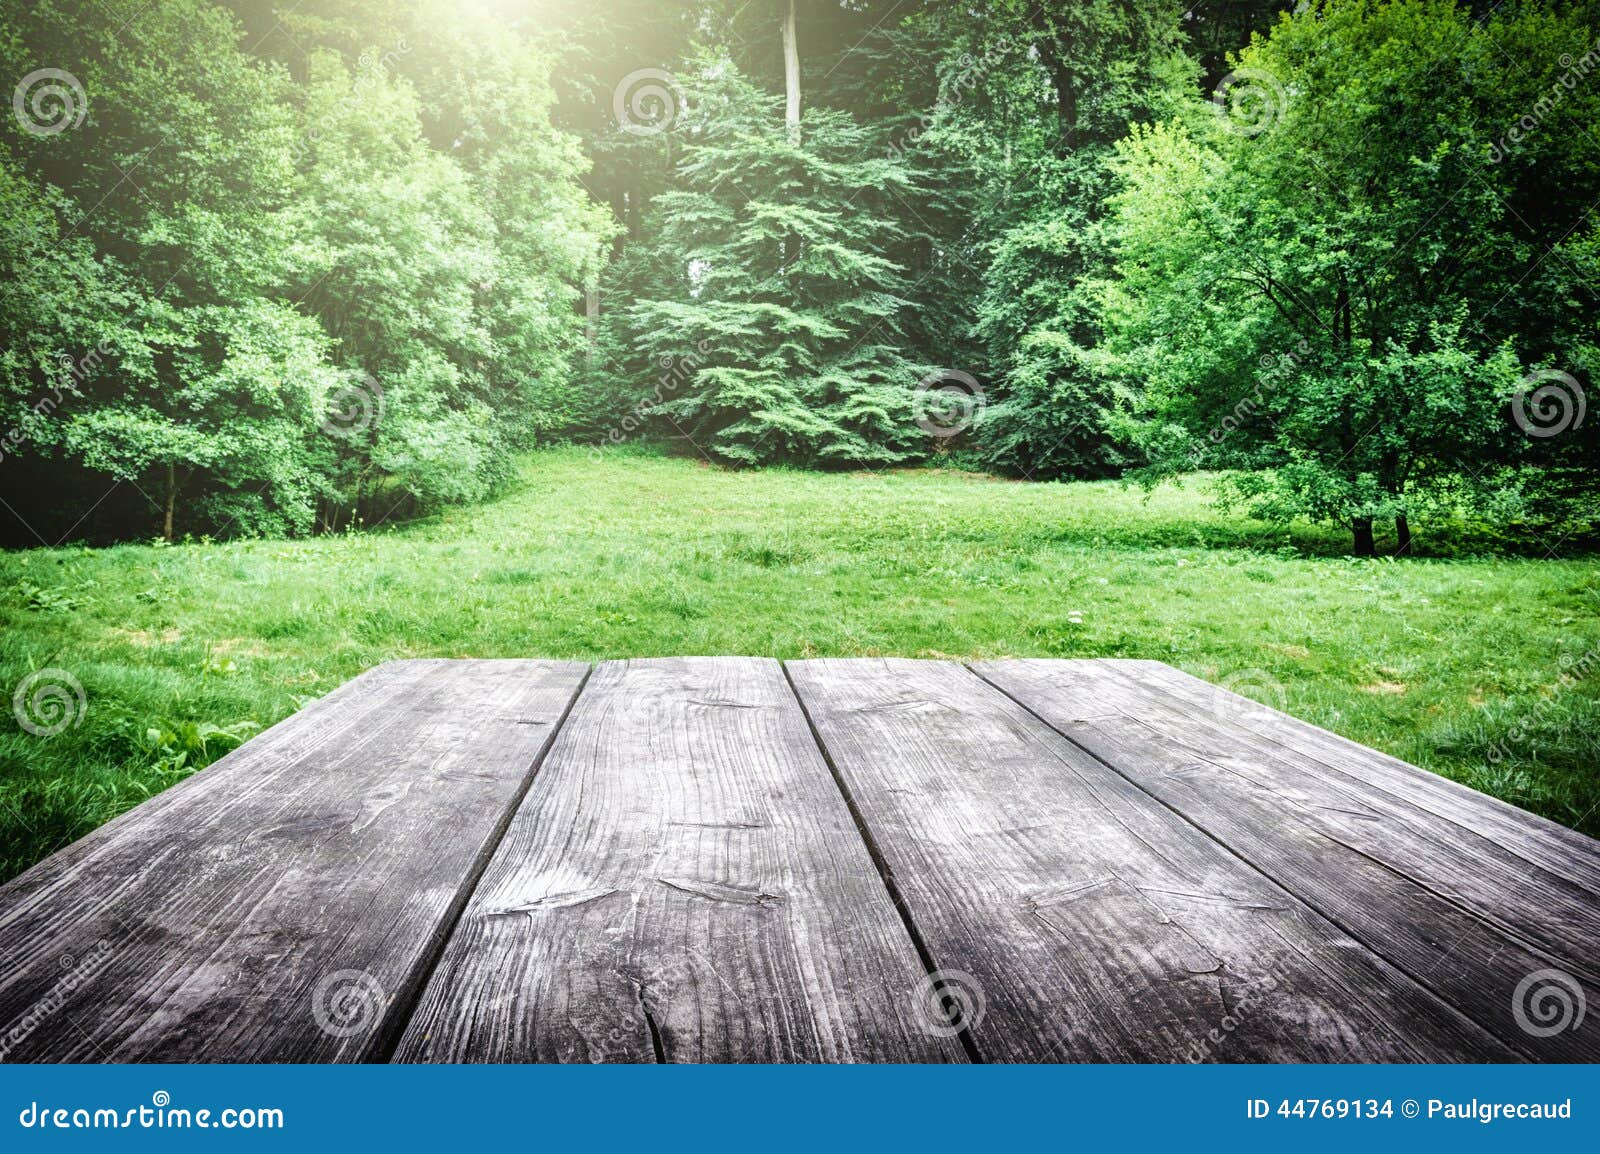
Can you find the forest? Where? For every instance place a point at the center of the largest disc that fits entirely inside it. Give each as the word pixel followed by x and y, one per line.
pixel 1246 336
pixel 282 269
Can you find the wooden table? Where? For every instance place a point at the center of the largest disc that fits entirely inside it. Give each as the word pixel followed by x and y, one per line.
pixel 729 859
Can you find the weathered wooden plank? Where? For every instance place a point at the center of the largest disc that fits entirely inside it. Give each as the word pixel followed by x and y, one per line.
pixel 683 883
pixel 1093 924
pixel 284 904
pixel 1481 873
pixel 1445 915
pixel 1544 843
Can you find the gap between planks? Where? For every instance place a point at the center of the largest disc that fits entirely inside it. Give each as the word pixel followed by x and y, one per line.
pixel 404 1005
pixel 879 862
pixel 1485 931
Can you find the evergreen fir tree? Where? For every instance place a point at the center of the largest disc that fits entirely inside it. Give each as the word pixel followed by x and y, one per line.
pixel 772 290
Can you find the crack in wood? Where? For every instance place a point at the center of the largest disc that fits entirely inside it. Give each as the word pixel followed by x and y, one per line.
pixel 559 901
pixel 722 892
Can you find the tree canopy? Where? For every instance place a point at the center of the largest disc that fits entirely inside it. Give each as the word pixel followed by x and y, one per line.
pixel 1330 284
pixel 283 269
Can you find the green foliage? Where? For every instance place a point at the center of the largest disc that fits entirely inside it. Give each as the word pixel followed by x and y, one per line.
pixel 244 300
pixel 1008 149
pixel 1316 276
pixel 1105 65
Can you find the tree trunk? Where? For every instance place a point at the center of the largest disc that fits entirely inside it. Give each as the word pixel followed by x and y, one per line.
pixel 1365 547
pixel 591 322
pixel 791 116
pixel 1049 46
pixel 172 501
pixel 1066 106
pixel 791 75
pixel 1402 532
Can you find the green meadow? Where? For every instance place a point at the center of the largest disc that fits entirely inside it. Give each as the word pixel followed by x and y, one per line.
pixel 184 650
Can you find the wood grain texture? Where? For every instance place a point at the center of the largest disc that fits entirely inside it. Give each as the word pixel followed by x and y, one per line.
pixel 1118 861
pixel 1482 873
pixel 316 868
pixel 683 883
pixel 1452 909
pixel 1088 920
pixel 1554 848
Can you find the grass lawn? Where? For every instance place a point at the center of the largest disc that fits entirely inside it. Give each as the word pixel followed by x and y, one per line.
pixel 184 650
